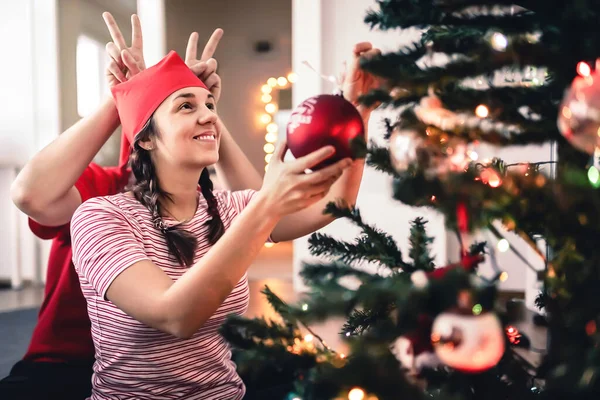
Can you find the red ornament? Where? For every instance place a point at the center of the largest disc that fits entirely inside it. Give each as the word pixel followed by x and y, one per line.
pixel 324 120
pixel 462 217
pixel 467 262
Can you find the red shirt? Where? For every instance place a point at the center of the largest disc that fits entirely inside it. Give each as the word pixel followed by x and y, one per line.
pixel 62 332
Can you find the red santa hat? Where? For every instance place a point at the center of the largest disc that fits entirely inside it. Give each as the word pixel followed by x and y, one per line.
pixel 140 96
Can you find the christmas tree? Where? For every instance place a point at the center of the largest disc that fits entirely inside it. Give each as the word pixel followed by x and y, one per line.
pixel 514 75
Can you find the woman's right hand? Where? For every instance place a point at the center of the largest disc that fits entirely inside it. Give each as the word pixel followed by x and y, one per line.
pixel 287 188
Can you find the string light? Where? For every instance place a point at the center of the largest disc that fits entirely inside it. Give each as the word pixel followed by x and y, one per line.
pixel 304 307
pixel 265 118
pixel 269 148
pixel 266 89
pixel 503 245
pixel 583 69
pixel 292 77
pixel 499 42
pixel 356 394
pixel 482 111
pixel 271 107
pixel 271 137
pixel 594 176
pixel 308 338
pixel 503 276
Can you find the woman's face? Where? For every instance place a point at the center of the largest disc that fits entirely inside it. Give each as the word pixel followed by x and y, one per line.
pixel 187 134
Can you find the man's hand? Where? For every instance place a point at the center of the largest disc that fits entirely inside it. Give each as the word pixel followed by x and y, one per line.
pixel 205 67
pixel 125 61
pixel 355 81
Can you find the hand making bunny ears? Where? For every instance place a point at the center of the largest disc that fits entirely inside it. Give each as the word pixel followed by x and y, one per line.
pixel 128 61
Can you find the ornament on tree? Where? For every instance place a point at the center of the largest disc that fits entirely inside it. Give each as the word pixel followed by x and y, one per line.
pixel 579 112
pixel 432 154
pixel 321 121
pixel 414 351
pixel 466 342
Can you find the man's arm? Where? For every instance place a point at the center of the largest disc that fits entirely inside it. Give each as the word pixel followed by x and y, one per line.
pixel 234 168
pixel 44 189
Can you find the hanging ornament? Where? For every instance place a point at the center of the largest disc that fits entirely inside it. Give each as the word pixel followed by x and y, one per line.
pixel 466 342
pixel 435 154
pixel 579 112
pixel 414 351
pixel 324 120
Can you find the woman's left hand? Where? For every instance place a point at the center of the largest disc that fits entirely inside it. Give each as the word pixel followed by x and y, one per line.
pixel 357 82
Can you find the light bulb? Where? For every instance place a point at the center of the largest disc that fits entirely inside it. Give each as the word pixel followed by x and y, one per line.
pixel 272 127
pixel 482 111
pixel 269 245
pixel 594 176
pixel 503 245
pixel 583 69
pixel 272 82
pixel 292 77
pixel 266 98
pixel 270 108
pixel 269 148
pixel 266 89
pixel 308 338
pixel 268 157
pixel 265 118
pixel 356 394
pixel 503 276
pixel 499 42
pixel 282 81
pixel 271 137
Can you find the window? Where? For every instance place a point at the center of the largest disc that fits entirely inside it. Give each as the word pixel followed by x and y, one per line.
pixel 91 82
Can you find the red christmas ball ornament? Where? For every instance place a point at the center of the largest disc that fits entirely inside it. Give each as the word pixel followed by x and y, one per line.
pixel 321 121
pixel 579 112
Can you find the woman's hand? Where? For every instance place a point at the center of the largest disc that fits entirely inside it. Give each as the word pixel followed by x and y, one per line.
pixel 287 188
pixel 355 81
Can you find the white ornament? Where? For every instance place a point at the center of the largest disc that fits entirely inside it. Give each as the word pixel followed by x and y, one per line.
pixel 419 279
pixel 468 343
pixel 403 350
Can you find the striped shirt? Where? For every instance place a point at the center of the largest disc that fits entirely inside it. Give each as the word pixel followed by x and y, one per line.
pixel 133 360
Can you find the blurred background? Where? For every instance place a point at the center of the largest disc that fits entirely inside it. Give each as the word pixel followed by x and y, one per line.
pixel 52 73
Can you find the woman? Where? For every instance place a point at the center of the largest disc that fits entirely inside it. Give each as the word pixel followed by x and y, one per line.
pixel 60 356
pixel 162 265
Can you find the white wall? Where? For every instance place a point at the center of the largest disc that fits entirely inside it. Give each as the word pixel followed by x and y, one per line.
pixel 29 111
pixel 39 100
pixel 242 70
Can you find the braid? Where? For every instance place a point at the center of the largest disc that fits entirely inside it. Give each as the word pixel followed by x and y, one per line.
pixel 216 227
pixel 146 190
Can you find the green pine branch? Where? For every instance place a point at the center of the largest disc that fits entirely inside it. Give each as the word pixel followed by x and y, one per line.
pixel 419 246
pixel 244 333
pixel 360 321
pixel 373 245
pixel 316 273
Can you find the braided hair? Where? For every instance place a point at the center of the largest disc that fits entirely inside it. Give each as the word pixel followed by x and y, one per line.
pixel 146 189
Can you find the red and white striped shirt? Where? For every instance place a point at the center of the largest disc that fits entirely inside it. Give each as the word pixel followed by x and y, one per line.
pixel 133 360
